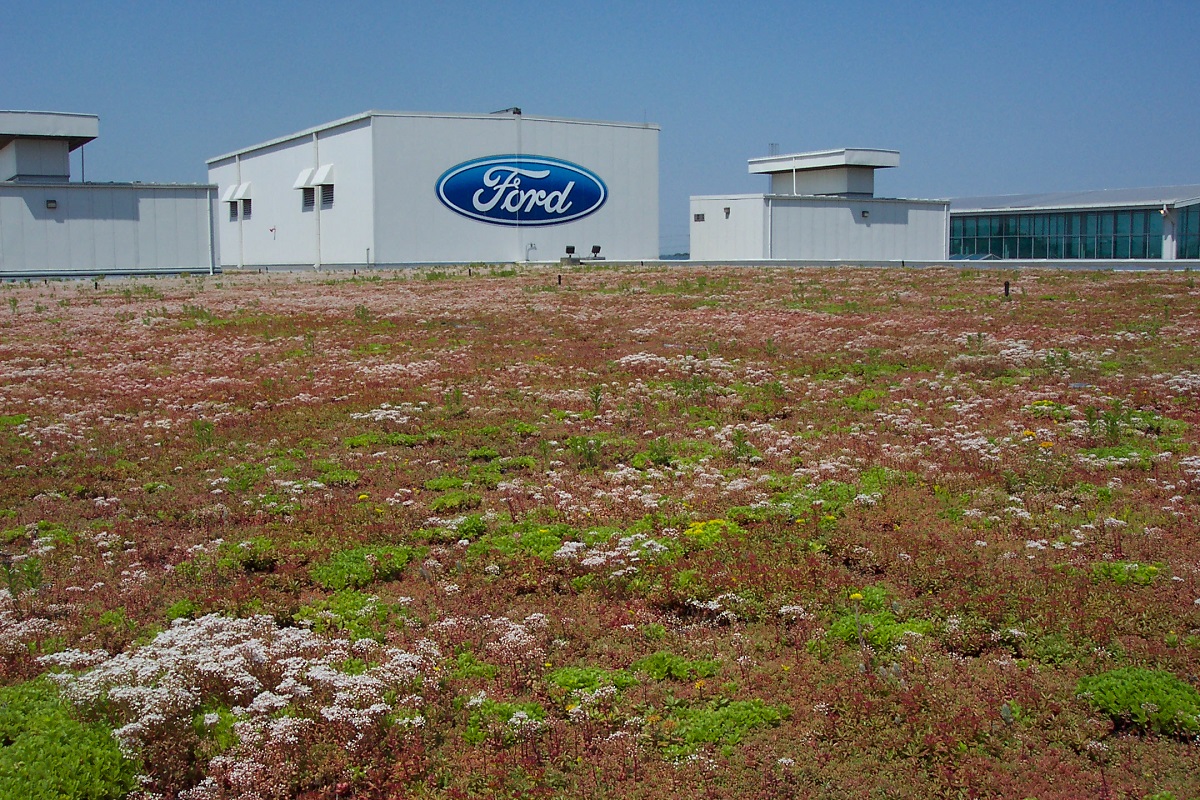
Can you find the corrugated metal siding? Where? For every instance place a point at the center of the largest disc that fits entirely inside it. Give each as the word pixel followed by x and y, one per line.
pixel 102 227
pixel 386 171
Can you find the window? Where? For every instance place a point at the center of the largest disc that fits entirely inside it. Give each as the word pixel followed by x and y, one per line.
pixel 326 196
pixel 1187 234
pixel 308 198
pixel 233 211
pixel 726 212
pixel 246 209
pixel 697 218
pixel 1117 234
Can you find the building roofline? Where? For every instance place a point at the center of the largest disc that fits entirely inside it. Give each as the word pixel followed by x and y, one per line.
pixel 78 129
pixel 1096 199
pixel 366 115
pixel 823 197
pixel 872 158
pixel 1062 207
pixel 856 198
pixel 102 185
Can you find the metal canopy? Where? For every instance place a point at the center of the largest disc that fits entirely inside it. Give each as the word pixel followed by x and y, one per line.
pixel 1150 197
pixel 77 129
pixel 825 159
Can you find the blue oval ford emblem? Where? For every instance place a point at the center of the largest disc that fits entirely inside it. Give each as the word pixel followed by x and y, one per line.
pixel 521 190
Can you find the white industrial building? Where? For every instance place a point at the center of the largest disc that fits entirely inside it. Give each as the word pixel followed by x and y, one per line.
pixel 388 188
pixel 821 207
pixel 51 226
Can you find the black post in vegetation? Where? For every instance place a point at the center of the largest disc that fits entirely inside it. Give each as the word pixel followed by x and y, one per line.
pixel 1006 288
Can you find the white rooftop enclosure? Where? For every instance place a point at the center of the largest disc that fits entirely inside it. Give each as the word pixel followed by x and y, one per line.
pixel 821 207
pixel 389 188
pixel 50 226
pixel 838 172
pixel 36 145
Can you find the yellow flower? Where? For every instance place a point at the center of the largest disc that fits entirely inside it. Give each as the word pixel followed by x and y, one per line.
pixel 363 496
pixel 1028 433
pixel 856 596
pixel 1046 444
pixel 700 684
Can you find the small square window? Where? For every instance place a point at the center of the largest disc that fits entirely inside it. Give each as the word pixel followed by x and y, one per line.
pixel 308 198
pixel 233 211
pixel 697 218
pixel 326 195
pixel 246 209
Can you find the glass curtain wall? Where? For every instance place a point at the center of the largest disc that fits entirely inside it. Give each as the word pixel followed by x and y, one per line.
pixel 1187 234
pixel 1132 233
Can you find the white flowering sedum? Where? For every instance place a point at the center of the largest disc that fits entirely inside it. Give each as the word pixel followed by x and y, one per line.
pixel 281 684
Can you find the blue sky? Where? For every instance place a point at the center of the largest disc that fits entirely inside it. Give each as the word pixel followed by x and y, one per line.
pixel 980 98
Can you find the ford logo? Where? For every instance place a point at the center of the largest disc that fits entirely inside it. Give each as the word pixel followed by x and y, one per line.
pixel 521 190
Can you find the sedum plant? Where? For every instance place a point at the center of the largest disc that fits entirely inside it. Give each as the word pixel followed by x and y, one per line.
pixel 48 754
pixel 1144 699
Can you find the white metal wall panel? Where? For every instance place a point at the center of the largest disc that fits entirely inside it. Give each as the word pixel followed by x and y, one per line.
pixel 738 237
pixel 411 224
pixel 347 229
pixel 12 230
pixel 147 244
pixel 831 229
pixel 125 250
pixel 386 168
pixel 80 244
pixel 412 152
pixel 224 175
pixel 626 159
pixel 99 227
pixel 819 229
pixel 280 232
pixel 47 158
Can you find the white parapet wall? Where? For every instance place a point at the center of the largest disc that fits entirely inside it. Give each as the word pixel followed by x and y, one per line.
pixel 821 207
pixel 786 227
pixel 102 228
